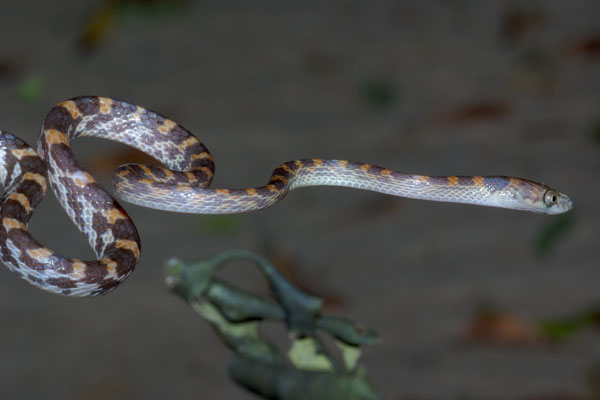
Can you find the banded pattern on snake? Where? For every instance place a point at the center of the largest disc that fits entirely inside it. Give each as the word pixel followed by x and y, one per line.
pixel 183 187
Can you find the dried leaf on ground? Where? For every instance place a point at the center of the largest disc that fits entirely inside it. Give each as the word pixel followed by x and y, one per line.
pixel 501 328
pixel 475 112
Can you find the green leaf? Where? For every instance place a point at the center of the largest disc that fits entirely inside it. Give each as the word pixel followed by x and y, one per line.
pixel 304 354
pixel 350 354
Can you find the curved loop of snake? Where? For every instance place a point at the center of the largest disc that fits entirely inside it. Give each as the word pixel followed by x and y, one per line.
pixel 183 187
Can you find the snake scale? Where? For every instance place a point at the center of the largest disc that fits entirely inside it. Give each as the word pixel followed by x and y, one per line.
pixel 182 187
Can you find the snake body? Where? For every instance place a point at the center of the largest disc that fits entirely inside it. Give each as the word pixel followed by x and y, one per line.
pixel 182 187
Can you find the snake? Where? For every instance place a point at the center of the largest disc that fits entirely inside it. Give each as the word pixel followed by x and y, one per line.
pixel 183 186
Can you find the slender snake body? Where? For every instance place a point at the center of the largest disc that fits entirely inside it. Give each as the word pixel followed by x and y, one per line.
pixel 183 187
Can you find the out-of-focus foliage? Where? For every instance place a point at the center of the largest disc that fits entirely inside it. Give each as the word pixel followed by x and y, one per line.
pixel 31 88
pixel 310 370
pixel 551 233
pixel 379 93
pixel 102 21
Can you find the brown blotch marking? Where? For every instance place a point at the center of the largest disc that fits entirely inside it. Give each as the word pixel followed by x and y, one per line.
pixel 200 156
pixel 317 162
pixel 72 108
pixel 111 266
pixel 514 181
pixel 251 191
pixel 41 254
pixel 78 269
pixel 21 199
pixel 129 245
pixel 123 173
pixel 145 169
pixel 272 188
pixel 280 178
pixel 166 126
pixel 83 179
pixel 27 152
pixel 10 223
pixel 285 168
pixel 478 180
pixel 146 181
pixel 452 180
pixel 222 191
pixel 139 111
pixel 190 141
pixel 105 104
pixel 386 172
pixel 38 178
pixel 113 214
pixel 168 174
pixel 342 163
pixel 365 167
pixel 422 178
pixel 292 165
pixel 191 176
pixel 55 137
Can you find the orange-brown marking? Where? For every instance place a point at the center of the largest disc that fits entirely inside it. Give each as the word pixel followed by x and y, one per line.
pixel 105 104
pixel 10 223
pixel 318 162
pixel 111 266
pixel 190 141
pixel 279 178
pixel 167 126
pixel 145 169
pixel 55 137
pixel 20 153
pixel 422 178
pixel 200 156
pixel 452 180
pixel 21 199
pixel 78 269
pixel 40 254
pixel 82 179
pixel 251 191
pixel 129 245
pixel 478 180
pixel 39 179
pixel 222 191
pixel 113 214
pixel 145 181
pixel 139 111
pixel 71 108
pixel 514 181
pixel 386 172
pixel 365 167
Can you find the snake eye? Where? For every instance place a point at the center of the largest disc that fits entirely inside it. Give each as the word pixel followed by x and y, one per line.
pixel 550 197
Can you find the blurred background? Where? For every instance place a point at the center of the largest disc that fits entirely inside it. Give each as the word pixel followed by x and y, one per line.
pixel 470 303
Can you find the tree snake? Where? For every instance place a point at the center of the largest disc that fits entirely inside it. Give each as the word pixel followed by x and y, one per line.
pixel 183 187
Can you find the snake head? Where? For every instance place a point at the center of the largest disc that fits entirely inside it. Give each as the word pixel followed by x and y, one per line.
pixel 555 202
